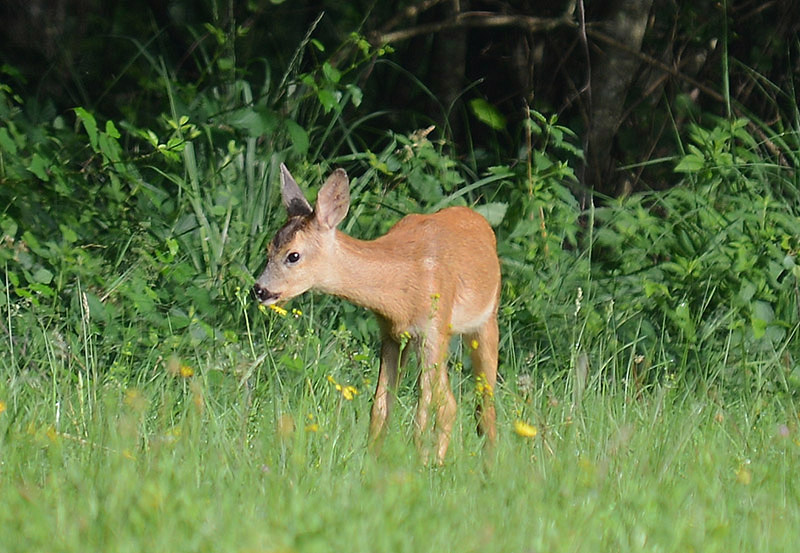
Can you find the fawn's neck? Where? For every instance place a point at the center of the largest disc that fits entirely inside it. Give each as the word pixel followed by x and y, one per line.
pixel 371 274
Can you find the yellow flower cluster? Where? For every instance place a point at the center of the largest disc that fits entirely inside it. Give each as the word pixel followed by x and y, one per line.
pixel 311 426
pixel 524 429
pixel 348 392
pixel 280 310
pixel 482 387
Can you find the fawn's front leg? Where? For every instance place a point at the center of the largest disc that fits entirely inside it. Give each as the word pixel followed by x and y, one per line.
pixel 385 390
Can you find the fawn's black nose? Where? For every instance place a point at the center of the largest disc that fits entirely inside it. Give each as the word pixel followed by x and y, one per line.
pixel 261 293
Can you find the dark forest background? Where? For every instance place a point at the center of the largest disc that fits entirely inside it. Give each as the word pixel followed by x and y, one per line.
pixel 626 75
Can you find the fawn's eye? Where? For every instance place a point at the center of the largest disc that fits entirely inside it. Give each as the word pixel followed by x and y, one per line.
pixel 293 257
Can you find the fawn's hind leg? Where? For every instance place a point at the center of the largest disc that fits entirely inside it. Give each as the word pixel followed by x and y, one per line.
pixel 483 350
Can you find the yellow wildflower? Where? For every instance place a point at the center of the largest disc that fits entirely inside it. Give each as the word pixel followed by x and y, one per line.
pixel 312 427
pixel 348 392
pixel 482 387
pixel 524 429
pixel 279 310
pixel 2 406
pixel 474 344
pixel 186 371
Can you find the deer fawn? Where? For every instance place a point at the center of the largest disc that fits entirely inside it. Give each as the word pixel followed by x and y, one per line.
pixel 429 277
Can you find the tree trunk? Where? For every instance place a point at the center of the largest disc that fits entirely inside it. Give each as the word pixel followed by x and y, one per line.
pixel 611 78
pixel 448 69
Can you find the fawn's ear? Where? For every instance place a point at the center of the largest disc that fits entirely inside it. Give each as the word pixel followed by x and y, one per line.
pixel 333 200
pixel 296 204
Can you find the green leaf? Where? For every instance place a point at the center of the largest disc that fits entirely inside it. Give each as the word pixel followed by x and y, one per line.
pixel 90 124
pixel 30 240
pixel 299 137
pixel 69 235
pixel 683 319
pixel 39 167
pixel 690 164
pixel 747 291
pixel 761 316
pixel 493 212
pixel 328 99
pixel 331 73
pixel 9 226
pixel 216 32
pixel 487 114
pixel 109 147
pixel 427 187
pixel 759 327
pixel 42 289
pixel 255 122
pixel 172 244
pixel 111 129
pixel 7 143
pixel 356 95
pixel 43 276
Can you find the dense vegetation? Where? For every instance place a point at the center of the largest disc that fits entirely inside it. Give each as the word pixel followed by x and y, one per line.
pixel 649 341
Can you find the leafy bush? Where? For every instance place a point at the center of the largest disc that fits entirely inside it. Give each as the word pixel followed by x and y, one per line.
pixel 711 261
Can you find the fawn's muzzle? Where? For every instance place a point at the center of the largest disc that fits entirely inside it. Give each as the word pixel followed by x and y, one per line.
pixel 262 294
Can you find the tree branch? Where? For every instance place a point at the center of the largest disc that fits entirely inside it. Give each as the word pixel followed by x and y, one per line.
pixel 476 19
pixel 650 60
pixel 409 13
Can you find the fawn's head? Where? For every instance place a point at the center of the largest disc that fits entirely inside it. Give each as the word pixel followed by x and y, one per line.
pixel 299 254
